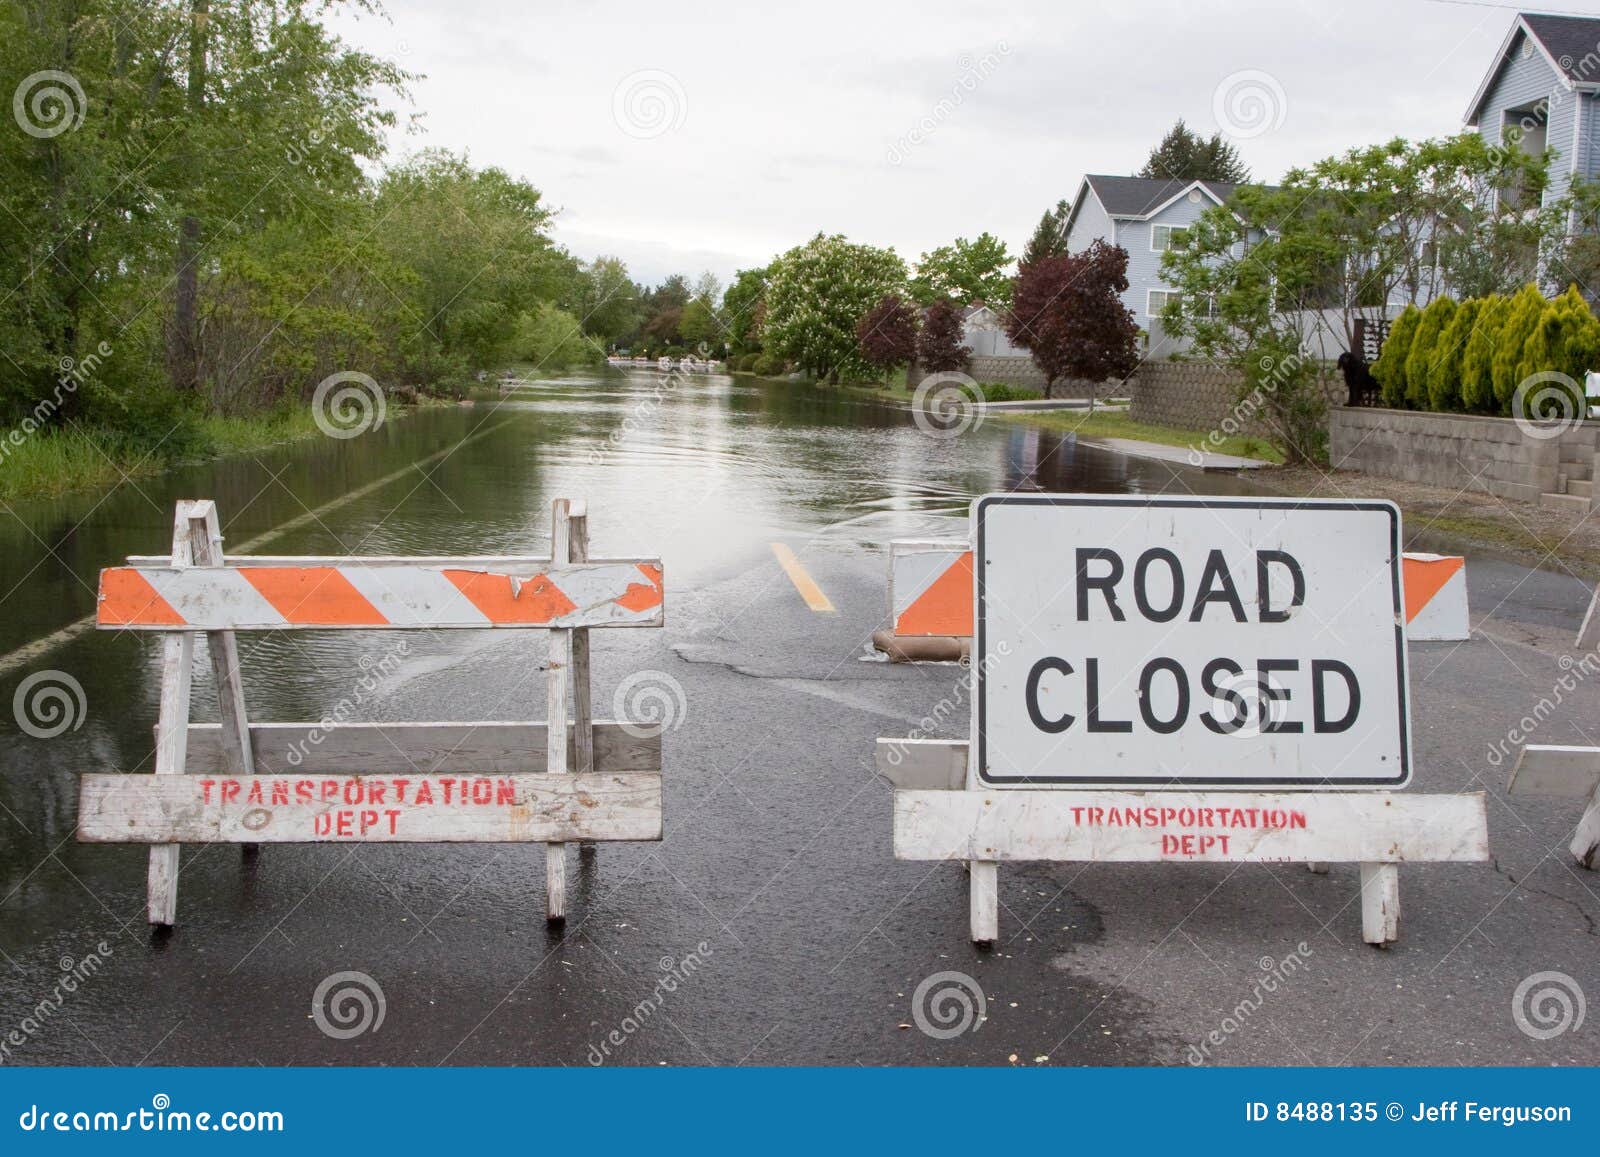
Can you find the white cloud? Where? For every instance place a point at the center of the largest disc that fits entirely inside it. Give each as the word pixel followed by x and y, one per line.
pixel 787 118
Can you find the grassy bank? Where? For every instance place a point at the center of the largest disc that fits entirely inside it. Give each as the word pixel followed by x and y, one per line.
pixel 50 463
pixel 1117 424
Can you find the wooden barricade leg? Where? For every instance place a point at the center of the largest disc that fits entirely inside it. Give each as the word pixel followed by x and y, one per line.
pixel 1586 839
pixel 172 734
pixel 984 901
pixel 582 713
pixel 560 756
pixel 205 547
pixel 1380 904
pixel 1317 868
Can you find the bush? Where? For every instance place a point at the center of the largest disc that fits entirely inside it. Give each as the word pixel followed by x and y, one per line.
pixel 769 365
pixel 1444 369
pixel 1005 392
pixel 1477 359
pixel 1390 368
pixel 747 362
pixel 1522 318
pixel 1425 348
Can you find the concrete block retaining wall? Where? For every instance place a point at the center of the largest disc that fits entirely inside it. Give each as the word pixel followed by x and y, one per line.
pixel 1492 455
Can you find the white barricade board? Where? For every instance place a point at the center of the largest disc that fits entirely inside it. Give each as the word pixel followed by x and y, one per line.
pixel 1135 641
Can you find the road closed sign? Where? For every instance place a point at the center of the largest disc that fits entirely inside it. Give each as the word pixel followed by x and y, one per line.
pixel 1186 642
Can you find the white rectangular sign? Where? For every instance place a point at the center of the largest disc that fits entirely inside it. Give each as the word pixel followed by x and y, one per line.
pixel 1173 642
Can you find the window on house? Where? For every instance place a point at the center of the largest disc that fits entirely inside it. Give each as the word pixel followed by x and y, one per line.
pixel 1526 128
pixel 1158 300
pixel 1164 237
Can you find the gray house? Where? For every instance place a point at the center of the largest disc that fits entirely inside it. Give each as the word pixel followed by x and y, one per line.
pixel 1143 215
pixel 1542 91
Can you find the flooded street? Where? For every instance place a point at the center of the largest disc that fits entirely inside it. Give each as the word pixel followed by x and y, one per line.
pixel 776 873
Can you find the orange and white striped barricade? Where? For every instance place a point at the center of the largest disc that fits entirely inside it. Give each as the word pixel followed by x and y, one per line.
pixel 569 779
pixel 1119 712
pixel 1569 773
pixel 930 599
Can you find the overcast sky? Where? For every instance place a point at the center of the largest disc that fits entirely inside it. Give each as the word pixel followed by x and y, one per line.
pixel 710 135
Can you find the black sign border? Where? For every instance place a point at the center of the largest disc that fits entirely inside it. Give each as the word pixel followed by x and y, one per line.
pixel 980 648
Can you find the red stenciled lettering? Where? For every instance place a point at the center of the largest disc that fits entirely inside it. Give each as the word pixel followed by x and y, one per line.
pixel 448 784
pixel 1077 815
pixel 505 793
pixel 280 793
pixel 1097 815
pixel 303 791
pixel 424 793
pixel 400 786
pixel 352 791
pixel 369 820
pixel 342 824
pixel 376 790
pixel 230 790
pixel 482 791
pixel 254 794
pixel 330 790
pixel 205 789
pixel 394 820
pixel 1297 819
pixel 1205 817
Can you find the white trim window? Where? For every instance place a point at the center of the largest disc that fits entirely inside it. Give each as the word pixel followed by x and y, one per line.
pixel 1164 237
pixel 1155 300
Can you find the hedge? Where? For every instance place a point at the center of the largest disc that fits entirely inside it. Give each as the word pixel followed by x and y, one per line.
pixel 1472 357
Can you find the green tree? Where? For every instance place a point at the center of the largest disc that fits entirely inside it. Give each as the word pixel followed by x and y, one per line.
pixel 1424 350
pixel 1477 358
pixel 1445 371
pixel 1184 155
pixel 1564 343
pixel 1523 314
pixel 478 242
pixel 605 299
pixel 1049 235
pixel 816 293
pixel 965 272
pixel 1390 368
pixel 743 305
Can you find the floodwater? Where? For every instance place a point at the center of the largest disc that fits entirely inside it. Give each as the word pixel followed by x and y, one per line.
pixel 705 472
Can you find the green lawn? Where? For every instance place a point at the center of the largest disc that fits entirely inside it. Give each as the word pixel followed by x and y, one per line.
pixel 1117 424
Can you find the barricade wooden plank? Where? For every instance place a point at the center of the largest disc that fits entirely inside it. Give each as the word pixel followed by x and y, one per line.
pixel 400 807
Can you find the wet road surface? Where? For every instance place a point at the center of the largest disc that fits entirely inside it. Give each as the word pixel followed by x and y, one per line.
pixel 788 931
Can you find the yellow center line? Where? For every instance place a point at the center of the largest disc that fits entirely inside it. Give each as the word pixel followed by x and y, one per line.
pixel 803 582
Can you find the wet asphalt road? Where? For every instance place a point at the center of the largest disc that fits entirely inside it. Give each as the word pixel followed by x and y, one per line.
pixel 774 895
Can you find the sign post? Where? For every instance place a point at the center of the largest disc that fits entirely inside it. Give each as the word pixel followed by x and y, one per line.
pixel 1182 679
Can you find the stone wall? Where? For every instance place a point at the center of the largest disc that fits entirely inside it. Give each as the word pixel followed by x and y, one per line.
pixel 1201 396
pixel 1021 372
pixel 1494 455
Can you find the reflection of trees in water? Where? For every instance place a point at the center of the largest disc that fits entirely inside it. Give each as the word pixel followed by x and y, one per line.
pixel 1057 462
